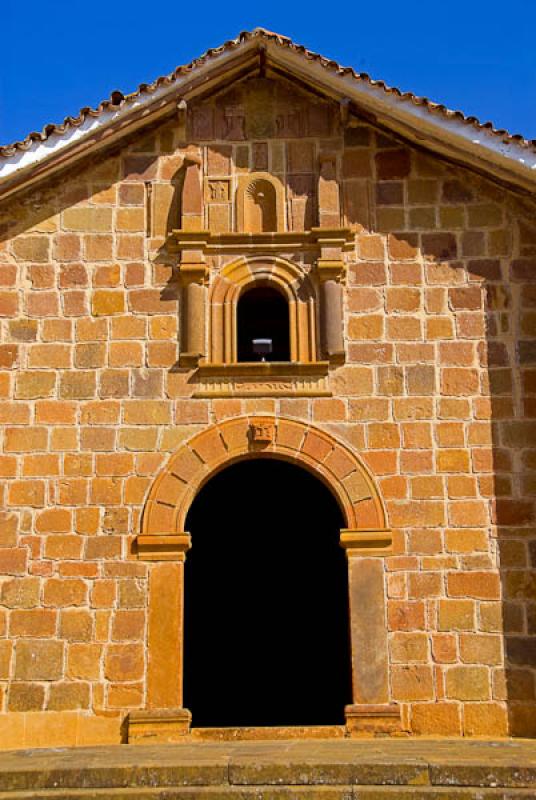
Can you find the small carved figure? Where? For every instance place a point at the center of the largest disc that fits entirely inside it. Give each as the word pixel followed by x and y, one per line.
pixel 219 190
pixel 263 432
pixel 234 123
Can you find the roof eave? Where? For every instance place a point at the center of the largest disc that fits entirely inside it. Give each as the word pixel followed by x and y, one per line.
pixel 44 159
pixel 456 140
pixel 502 159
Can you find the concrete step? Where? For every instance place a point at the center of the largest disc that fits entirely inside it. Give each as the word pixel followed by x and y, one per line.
pixel 373 769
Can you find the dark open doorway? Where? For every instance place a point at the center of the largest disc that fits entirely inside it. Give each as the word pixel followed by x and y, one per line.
pixel 266 601
pixel 263 313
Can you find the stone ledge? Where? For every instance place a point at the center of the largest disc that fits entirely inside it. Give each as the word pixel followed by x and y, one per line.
pixel 265 242
pixel 162 547
pixel 367 542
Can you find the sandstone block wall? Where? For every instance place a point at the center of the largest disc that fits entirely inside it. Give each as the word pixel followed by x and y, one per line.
pixel 437 394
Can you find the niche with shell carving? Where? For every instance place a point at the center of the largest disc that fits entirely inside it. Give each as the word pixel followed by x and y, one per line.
pixel 260 204
pixel 260 212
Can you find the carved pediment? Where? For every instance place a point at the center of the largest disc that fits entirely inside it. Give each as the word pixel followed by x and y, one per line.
pixel 262 108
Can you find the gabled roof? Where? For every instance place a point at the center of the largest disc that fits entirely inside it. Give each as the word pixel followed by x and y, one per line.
pixel 509 158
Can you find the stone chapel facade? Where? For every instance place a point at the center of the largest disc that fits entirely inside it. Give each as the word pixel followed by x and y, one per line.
pixel 402 238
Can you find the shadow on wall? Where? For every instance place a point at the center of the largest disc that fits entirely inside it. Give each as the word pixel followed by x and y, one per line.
pixel 492 303
pixel 511 361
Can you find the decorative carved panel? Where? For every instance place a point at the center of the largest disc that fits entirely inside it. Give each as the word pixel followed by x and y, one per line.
pixel 262 432
pixel 218 191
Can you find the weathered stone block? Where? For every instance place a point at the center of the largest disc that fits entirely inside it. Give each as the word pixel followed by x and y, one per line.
pixel 37 660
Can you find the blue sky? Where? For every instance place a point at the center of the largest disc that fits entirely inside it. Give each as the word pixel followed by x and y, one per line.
pixel 472 55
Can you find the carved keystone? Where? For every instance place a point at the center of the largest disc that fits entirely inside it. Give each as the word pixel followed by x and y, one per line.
pixel 262 432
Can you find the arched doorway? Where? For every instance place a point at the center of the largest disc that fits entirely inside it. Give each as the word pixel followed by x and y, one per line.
pixel 266 638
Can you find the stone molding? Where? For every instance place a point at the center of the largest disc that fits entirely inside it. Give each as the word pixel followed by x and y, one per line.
pixel 366 543
pixel 243 242
pixel 367 719
pixel 229 441
pixel 263 379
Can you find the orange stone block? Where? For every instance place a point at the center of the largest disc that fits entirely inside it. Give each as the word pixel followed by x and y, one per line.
pixel 315 446
pixel 61 592
pixel 26 493
pixel 107 302
pixel 124 662
pixel 405 615
pixel 187 466
pixel 440 719
pixel 83 661
pixel 479 585
pixel 444 648
pixel 412 682
pixel 485 719
pixel 128 625
pixel 33 623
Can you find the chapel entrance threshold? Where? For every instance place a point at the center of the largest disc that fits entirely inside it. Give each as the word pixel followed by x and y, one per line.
pixel 268 733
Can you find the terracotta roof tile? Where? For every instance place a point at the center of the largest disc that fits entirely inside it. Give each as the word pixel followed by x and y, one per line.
pixel 117 99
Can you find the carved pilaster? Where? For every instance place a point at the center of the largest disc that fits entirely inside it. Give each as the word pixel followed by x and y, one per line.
pixel 164 719
pixel 329 206
pixel 192 199
pixel 193 273
pixel 330 269
pixel 370 710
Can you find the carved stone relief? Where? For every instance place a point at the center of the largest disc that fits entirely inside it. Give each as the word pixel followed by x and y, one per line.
pixel 218 191
pixel 234 128
pixel 261 108
pixel 262 432
pixel 203 123
pixel 260 155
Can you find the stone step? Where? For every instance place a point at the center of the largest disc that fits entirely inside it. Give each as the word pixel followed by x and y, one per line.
pixel 278 793
pixel 374 769
pixel 261 734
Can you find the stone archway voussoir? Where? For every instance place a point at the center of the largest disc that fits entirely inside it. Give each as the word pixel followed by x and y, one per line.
pixel 257 435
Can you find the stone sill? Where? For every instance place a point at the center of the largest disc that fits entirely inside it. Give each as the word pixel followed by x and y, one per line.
pixel 265 369
pixel 263 379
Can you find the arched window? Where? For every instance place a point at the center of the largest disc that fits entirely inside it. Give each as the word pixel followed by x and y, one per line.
pixel 260 212
pixel 263 313
pixel 289 306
